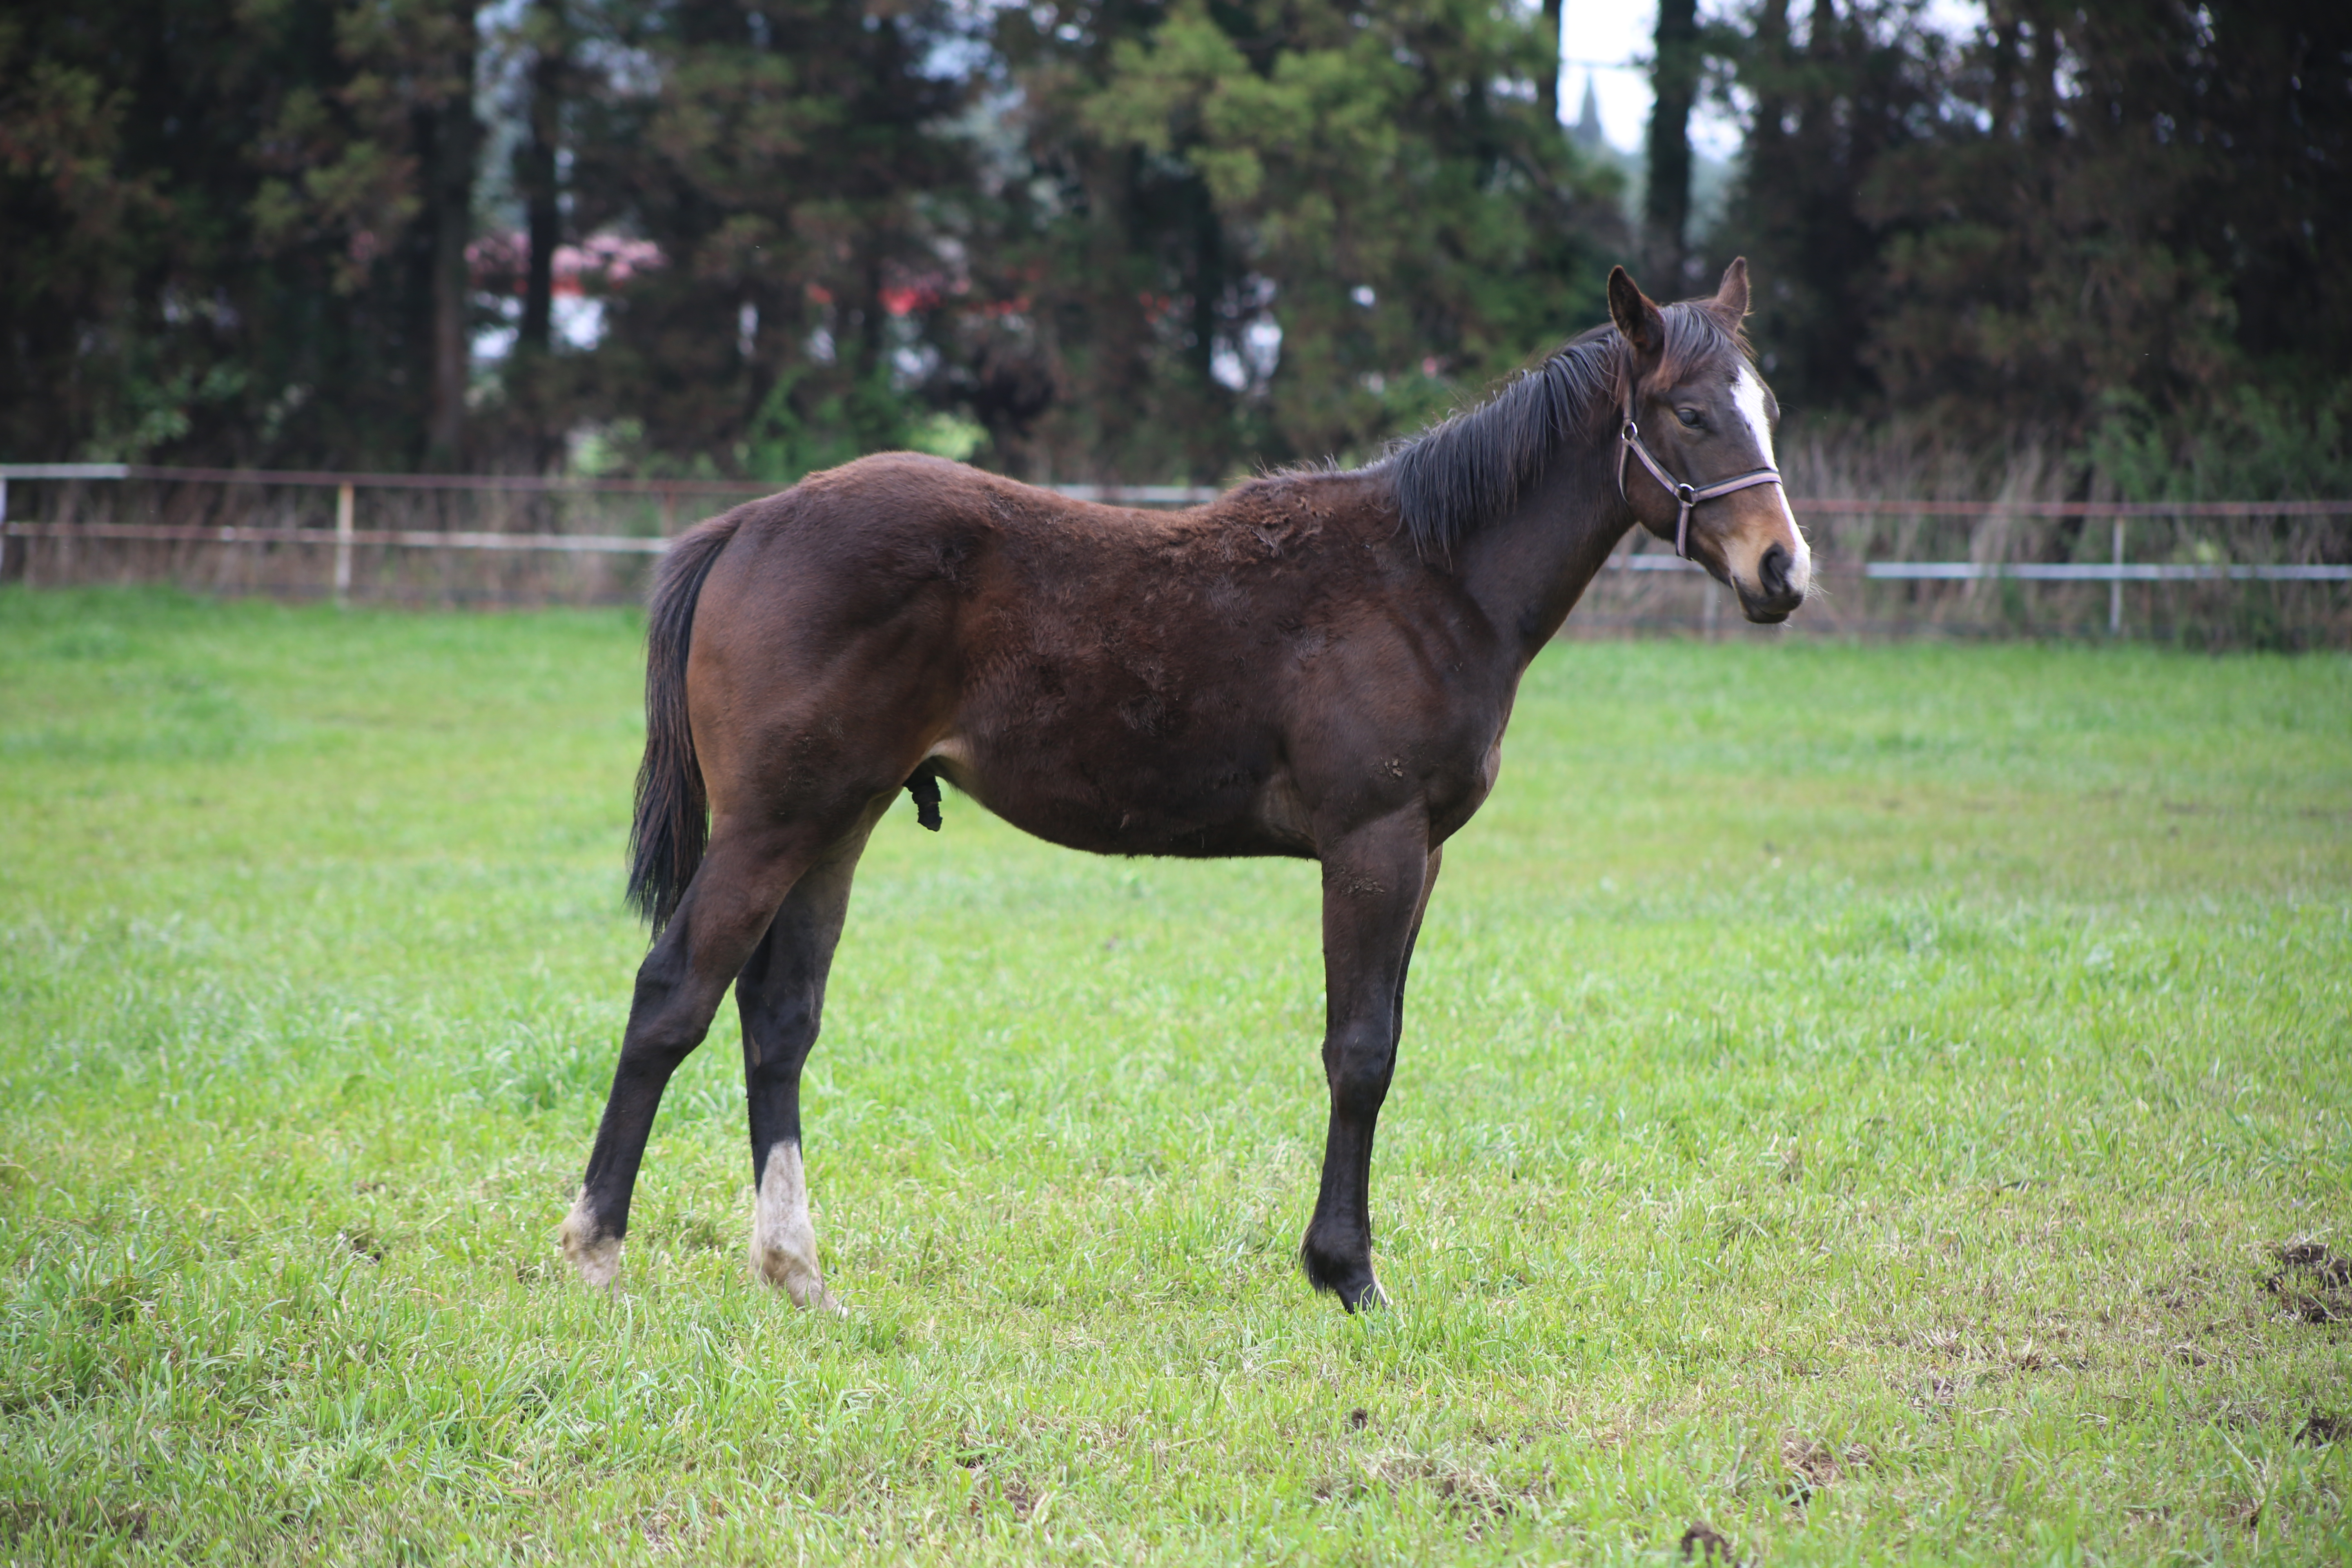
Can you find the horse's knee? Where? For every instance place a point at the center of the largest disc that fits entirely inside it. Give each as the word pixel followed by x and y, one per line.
pixel 1359 1062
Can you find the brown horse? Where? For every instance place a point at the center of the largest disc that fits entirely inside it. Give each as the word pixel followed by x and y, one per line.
pixel 1317 665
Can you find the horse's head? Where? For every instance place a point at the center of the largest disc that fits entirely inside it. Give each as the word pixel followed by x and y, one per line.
pixel 1701 425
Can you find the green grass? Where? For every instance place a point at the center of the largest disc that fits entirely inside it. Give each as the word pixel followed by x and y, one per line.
pixel 1851 1096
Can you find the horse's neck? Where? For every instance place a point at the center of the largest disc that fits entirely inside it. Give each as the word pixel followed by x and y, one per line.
pixel 1527 567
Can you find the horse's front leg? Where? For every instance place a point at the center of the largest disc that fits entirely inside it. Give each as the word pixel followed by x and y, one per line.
pixel 1375 886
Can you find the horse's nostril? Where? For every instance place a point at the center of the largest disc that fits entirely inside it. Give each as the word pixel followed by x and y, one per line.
pixel 1772 571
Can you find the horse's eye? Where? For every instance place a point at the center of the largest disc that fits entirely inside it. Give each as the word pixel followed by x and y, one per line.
pixel 1690 417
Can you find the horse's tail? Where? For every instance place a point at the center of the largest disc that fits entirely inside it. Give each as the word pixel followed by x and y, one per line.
pixel 673 820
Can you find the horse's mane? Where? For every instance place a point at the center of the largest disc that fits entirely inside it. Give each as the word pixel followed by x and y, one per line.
pixel 1471 466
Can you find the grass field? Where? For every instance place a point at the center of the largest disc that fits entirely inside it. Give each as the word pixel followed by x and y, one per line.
pixel 1852 1097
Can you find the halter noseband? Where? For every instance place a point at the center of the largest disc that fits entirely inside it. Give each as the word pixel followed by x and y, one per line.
pixel 1629 440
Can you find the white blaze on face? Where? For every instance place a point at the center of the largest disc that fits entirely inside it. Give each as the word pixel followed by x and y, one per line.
pixel 1747 397
pixel 783 1242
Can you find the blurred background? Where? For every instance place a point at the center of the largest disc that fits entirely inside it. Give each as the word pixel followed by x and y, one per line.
pixel 2024 253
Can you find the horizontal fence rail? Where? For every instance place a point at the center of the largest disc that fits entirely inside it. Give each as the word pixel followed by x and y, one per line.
pixel 397 537
pixel 645 544
pixel 2097 572
pixel 543 504
pixel 523 484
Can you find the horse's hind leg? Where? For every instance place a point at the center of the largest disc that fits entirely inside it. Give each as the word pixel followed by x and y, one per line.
pixel 781 996
pixel 727 908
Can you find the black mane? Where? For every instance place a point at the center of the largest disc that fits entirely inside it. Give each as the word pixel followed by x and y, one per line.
pixel 1471 466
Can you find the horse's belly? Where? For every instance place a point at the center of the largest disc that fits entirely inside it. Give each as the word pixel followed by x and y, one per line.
pixel 1130 801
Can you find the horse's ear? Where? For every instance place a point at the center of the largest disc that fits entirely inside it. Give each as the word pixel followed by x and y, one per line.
pixel 1731 294
pixel 1637 319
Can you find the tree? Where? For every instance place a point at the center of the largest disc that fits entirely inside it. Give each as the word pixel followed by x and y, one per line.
pixel 1306 225
pixel 784 160
pixel 236 233
pixel 2145 207
pixel 2081 208
pixel 1828 110
pixel 1665 198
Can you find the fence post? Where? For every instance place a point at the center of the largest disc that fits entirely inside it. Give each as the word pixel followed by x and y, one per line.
pixel 342 545
pixel 2116 587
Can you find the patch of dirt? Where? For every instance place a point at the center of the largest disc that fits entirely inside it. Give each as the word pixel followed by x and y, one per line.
pixel 2314 1259
pixel 1358 1418
pixel 1703 1544
pixel 2312 1284
pixel 1810 1462
pixel 1019 1495
pixel 1471 1494
pixel 2321 1430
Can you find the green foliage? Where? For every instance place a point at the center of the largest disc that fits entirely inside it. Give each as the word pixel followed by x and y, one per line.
pixel 2283 446
pixel 1134 239
pixel 220 231
pixel 782 159
pixel 1371 188
pixel 2075 208
pixel 797 431
pixel 1851 1096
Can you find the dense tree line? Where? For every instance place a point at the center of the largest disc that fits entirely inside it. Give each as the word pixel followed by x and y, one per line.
pixel 2084 216
pixel 1136 238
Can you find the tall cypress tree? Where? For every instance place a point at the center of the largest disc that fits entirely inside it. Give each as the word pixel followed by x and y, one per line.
pixel 1665 200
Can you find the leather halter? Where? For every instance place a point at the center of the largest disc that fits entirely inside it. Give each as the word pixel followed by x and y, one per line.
pixel 1629 440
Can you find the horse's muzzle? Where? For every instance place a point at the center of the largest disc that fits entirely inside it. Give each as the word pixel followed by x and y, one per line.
pixel 1778 591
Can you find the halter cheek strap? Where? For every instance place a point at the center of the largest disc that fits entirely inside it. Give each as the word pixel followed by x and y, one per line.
pixel 1629 441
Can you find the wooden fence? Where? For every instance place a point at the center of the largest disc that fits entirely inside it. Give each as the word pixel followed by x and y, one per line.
pixel 2273 573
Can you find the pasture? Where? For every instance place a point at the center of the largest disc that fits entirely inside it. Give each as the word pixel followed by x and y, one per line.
pixel 1886 1103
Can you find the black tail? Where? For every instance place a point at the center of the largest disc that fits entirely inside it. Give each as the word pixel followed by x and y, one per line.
pixel 673 820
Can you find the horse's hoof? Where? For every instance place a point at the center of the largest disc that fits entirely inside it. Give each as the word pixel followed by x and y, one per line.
pixel 797 1277
pixel 596 1256
pixel 1349 1278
